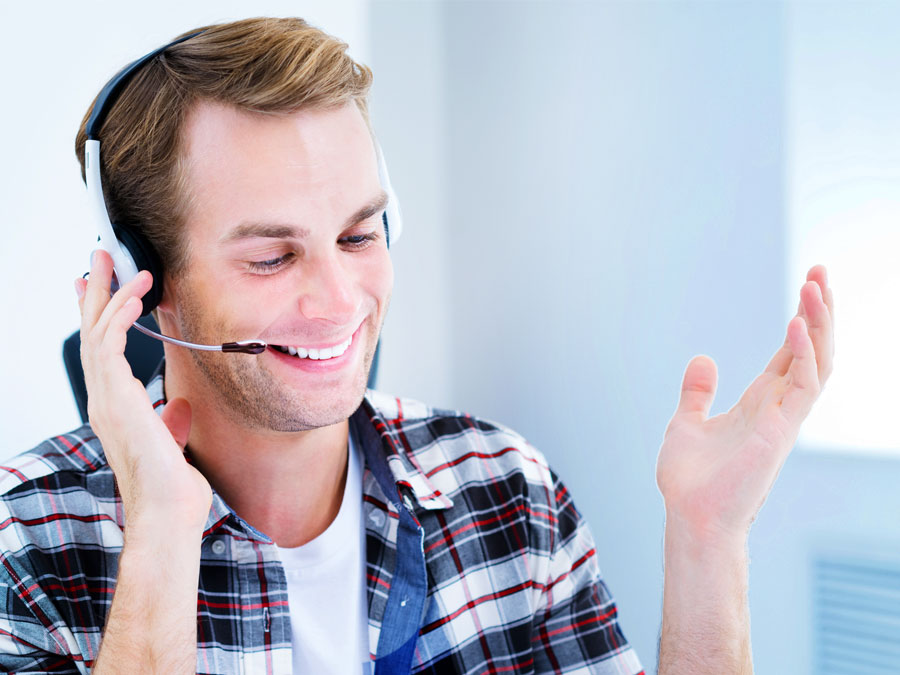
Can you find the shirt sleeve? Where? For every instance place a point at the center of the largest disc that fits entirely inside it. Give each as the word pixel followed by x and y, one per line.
pixel 576 628
pixel 31 630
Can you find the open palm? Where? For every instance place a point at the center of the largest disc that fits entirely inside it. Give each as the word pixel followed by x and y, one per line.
pixel 715 473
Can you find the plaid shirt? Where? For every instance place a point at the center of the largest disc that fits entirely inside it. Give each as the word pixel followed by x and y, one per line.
pixel 477 560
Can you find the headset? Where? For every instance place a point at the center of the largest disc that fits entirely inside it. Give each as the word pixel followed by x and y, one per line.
pixel 130 250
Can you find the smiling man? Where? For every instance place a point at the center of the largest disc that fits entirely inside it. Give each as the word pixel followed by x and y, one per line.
pixel 266 513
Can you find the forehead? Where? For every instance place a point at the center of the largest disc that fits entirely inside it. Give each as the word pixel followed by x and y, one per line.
pixel 305 166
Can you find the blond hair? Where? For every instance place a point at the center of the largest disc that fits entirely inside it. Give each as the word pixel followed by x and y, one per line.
pixel 263 65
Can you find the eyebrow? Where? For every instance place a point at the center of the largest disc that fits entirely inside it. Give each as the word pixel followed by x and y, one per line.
pixel 277 231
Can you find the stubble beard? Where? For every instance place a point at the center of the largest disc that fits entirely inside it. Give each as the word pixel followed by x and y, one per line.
pixel 253 396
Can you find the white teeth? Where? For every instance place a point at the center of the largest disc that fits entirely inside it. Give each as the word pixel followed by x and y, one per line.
pixel 320 354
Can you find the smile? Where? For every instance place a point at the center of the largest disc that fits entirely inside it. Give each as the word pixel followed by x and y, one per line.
pixel 316 354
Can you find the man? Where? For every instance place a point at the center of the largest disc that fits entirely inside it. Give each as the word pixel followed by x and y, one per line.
pixel 316 527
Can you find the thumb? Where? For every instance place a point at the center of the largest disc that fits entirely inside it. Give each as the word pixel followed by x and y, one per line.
pixel 177 417
pixel 698 388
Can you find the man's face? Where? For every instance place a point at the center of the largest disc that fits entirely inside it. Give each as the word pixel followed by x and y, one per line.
pixel 286 244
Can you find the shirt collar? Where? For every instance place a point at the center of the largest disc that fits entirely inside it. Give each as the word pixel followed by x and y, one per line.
pixel 379 425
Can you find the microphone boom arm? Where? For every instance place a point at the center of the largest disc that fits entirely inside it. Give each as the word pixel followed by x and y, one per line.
pixel 242 347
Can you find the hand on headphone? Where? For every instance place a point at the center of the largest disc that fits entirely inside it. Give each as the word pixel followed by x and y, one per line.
pixel 144 449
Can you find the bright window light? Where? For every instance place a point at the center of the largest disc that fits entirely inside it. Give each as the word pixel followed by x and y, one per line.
pixel 843 195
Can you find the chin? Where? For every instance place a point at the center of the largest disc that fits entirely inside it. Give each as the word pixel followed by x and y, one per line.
pixel 309 414
pixel 254 397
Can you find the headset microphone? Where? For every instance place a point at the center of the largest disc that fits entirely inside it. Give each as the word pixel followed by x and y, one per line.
pixel 242 347
pixel 131 251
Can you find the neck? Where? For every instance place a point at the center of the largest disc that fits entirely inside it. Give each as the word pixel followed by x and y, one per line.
pixel 288 485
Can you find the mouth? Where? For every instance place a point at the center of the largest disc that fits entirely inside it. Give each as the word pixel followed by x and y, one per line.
pixel 315 354
pixel 321 353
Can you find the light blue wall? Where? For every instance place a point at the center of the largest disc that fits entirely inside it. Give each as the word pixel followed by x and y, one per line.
pixel 822 504
pixel 408 112
pixel 614 200
pixel 618 208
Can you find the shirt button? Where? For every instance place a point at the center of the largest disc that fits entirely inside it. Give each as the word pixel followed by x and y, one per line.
pixel 218 547
pixel 377 518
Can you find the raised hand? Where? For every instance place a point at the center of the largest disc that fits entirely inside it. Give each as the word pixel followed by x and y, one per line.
pixel 144 450
pixel 715 473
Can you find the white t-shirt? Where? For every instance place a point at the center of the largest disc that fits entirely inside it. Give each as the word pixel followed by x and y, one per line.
pixel 327 591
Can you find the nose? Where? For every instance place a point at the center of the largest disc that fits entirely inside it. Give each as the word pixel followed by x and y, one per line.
pixel 327 290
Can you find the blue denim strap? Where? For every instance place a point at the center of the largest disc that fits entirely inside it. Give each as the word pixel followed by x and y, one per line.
pixel 405 605
pixel 406 601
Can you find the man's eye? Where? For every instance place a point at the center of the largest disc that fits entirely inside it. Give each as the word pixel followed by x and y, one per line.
pixel 269 266
pixel 359 240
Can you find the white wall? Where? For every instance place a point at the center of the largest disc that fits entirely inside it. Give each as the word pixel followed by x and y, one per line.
pixel 56 57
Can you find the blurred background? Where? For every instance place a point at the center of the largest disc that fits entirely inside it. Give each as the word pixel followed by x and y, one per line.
pixel 593 192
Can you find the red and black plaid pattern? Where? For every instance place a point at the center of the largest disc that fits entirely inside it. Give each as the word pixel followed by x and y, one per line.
pixel 513 580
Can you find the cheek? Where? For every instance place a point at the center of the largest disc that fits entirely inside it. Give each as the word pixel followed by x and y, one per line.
pixel 258 308
pixel 220 302
pixel 380 280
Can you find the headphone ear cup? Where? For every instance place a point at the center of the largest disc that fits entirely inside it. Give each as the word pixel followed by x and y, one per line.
pixel 145 258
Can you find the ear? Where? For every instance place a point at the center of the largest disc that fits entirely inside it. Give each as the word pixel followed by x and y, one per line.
pixel 165 310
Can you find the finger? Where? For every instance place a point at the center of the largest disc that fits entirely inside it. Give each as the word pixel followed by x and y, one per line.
pixel 780 362
pixel 107 374
pixel 814 310
pixel 819 274
pixel 803 379
pixel 97 299
pixel 115 333
pixel 820 328
pixel 698 389
pixel 96 295
pixel 80 286
pixel 136 288
pixel 177 417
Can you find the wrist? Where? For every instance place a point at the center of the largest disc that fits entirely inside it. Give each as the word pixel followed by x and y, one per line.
pixel 704 536
pixel 152 526
pixel 149 508
pixel 705 571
